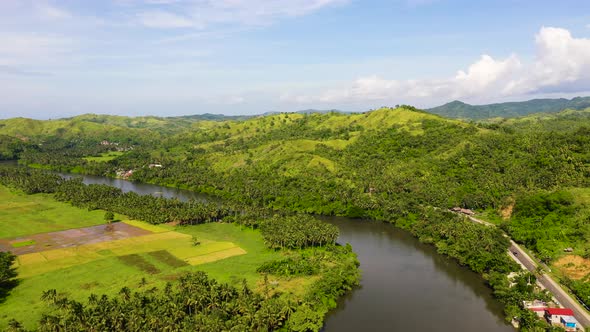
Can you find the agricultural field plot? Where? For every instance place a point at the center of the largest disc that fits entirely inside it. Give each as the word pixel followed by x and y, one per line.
pixel 178 245
pixel 22 215
pixel 70 238
pixel 68 249
pixel 226 251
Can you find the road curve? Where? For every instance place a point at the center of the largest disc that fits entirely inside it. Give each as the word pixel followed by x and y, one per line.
pixel 582 316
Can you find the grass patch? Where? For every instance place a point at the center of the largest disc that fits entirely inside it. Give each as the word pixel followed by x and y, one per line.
pixel 146 226
pixel 139 262
pixel 573 266
pixel 22 215
pixel 322 163
pixel 490 215
pixel 105 252
pixel 581 196
pixel 235 268
pixel 30 259
pixel 165 257
pixel 23 243
pixel 215 256
pixel 104 157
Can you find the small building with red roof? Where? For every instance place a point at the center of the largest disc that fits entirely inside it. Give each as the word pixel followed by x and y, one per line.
pixel 536 306
pixel 559 311
pixel 562 317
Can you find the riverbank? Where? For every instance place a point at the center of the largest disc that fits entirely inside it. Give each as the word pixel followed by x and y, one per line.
pixel 389 265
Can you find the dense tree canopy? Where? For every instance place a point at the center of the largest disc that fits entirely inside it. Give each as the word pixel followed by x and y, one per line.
pixel 7 273
pixel 298 231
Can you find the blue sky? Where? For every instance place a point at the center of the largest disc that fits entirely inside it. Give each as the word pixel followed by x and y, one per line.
pixel 172 57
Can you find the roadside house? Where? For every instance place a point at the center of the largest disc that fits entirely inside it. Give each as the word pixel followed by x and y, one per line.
pixel 536 306
pixel 569 323
pixel 562 317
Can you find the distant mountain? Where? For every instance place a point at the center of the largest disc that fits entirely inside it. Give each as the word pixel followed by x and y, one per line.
pixel 461 110
pixel 311 111
pixel 221 117
pixel 211 117
pixel 307 111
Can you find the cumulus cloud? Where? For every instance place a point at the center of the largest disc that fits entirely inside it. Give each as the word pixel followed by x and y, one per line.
pixel 200 14
pixel 561 59
pixel 561 64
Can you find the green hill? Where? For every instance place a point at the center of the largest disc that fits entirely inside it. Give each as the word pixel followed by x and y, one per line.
pixel 461 110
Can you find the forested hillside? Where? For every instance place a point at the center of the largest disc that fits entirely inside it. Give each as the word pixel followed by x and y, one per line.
pixel 460 110
pixel 375 164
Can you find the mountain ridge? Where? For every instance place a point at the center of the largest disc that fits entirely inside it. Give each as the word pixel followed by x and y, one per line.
pixel 461 110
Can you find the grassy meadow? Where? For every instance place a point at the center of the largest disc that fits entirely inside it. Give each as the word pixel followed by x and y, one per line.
pixel 104 157
pixel 22 215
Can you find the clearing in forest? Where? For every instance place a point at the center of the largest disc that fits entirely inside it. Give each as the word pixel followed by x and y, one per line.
pixel 573 266
pixel 104 157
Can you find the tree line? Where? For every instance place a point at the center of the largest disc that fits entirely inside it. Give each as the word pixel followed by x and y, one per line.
pixel 7 274
pixel 154 210
pixel 297 232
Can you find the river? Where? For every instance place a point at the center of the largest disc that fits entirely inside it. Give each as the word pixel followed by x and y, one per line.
pixel 406 285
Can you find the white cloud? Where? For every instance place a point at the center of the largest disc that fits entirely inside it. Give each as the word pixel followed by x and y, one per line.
pixel 561 58
pixel 562 64
pixel 46 11
pixel 203 13
pixel 162 19
pixel 484 74
pixel 22 48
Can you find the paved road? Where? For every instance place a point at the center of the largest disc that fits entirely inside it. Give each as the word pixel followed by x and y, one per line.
pixel 545 280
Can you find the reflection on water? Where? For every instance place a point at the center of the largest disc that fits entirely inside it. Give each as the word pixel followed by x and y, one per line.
pixel 144 188
pixel 407 286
